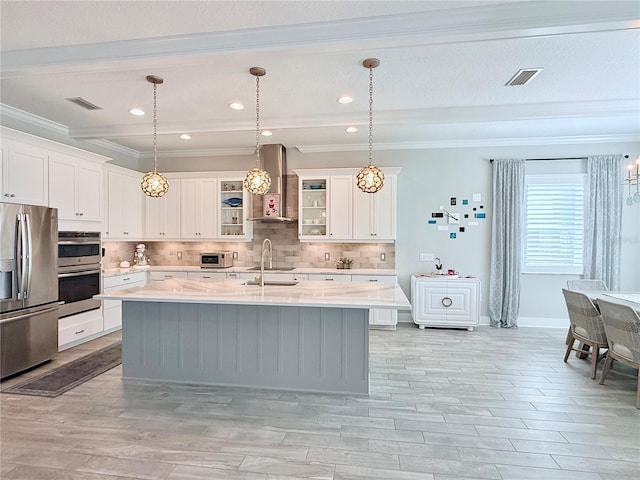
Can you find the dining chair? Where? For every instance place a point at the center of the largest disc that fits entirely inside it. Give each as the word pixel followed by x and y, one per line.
pixel 585 286
pixel 586 327
pixel 622 324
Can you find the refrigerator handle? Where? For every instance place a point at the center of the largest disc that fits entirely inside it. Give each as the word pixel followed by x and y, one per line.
pixel 29 256
pixel 20 260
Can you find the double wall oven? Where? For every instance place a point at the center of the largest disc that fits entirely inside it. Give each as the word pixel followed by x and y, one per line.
pixel 79 256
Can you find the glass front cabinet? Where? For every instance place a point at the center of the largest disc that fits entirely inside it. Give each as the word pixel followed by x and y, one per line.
pixel 312 215
pixel 234 209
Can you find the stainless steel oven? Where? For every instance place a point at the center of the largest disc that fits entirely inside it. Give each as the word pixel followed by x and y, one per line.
pixel 79 276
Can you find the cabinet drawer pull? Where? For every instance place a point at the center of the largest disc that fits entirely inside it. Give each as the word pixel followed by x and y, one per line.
pixel 373 280
pixel 329 279
pixel 446 302
pixel 126 279
pixel 79 332
pixel 168 276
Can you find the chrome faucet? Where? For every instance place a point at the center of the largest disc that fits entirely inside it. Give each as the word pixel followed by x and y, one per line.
pixel 268 248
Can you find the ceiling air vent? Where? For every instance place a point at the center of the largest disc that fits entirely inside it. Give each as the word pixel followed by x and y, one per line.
pixel 523 77
pixel 84 104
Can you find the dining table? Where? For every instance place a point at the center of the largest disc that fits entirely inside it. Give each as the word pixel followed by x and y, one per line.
pixel 626 298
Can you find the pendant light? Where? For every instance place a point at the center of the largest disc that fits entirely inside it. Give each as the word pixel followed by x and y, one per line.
pixel 370 179
pixel 154 184
pixel 257 180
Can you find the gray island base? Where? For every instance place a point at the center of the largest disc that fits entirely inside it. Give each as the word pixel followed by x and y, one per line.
pixel 316 349
pixel 311 336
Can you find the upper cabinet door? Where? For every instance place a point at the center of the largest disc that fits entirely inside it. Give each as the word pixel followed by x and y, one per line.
pixel 162 215
pixel 25 174
pixel 340 207
pixel 198 205
pixel 75 188
pixel 374 214
pixel 312 208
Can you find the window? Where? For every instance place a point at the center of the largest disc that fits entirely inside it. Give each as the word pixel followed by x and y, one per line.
pixel 554 227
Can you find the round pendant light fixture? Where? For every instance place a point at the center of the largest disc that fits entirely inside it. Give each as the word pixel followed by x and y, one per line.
pixel 154 184
pixel 370 179
pixel 257 180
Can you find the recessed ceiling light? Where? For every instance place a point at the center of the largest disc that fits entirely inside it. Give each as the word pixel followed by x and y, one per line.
pixel 345 99
pixel 236 106
pixel 136 111
pixel 351 129
pixel 266 133
pixel 185 136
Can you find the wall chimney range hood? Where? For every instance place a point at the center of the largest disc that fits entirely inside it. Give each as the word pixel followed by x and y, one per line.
pixel 275 163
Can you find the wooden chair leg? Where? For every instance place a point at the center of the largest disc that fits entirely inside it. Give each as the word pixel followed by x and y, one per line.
pixel 605 369
pixel 568 339
pixel 569 346
pixel 594 360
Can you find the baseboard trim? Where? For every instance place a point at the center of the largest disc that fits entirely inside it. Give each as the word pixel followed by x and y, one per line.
pixel 524 322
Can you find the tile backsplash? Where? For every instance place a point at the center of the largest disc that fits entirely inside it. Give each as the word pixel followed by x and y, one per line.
pixel 288 251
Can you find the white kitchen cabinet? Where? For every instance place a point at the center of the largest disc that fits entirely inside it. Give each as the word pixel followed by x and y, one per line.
pixel 445 302
pixel 340 207
pixel 112 309
pixel 380 317
pixel 160 275
pixel 234 207
pixel 75 189
pixel 324 207
pixel 125 201
pixel 330 277
pixel 25 173
pixel 312 208
pixel 374 214
pixel 198 208
pixel 208 274
pixel 162 214
pixel 332 208
pixel 79 328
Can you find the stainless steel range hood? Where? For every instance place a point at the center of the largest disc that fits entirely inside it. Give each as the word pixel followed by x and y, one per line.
pixel 275 163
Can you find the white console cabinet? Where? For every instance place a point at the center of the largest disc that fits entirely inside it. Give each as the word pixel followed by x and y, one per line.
pixel 441 301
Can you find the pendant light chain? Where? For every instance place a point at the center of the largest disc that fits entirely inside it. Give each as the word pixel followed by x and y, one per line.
pixel 257 121
pixel 370 115
pixel 155 127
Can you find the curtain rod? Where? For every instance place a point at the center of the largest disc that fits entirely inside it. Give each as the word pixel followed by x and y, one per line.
pixel 558 158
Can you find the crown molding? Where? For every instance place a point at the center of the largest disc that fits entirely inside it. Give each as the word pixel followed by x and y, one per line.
pixel 474 143
pixel 212 152
pixel 114 147
pixel 14 114
pixel 484 22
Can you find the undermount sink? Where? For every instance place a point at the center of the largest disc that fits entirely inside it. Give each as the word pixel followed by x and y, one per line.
pixel 272 269
pixel 281 283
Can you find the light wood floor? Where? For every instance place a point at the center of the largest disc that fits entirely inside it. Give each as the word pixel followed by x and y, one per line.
pixel 444 404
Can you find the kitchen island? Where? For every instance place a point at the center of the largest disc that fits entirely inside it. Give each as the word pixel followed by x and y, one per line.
pixel 311 336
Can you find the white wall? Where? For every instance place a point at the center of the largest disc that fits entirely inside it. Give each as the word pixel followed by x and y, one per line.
pixel 430 177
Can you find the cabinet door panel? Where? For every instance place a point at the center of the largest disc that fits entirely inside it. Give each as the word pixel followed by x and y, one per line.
pixel 340 206
pixel 89 194
pixel 62 189
pixel 25 175
pixel 208 208
pixel 384 211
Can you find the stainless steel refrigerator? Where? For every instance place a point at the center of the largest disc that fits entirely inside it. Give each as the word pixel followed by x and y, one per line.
pixel 28 286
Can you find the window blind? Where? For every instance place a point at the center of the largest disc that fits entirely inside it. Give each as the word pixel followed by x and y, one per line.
pixel 554 223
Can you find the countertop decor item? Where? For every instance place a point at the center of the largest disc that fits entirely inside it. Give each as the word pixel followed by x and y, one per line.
pixel 344 263
pixel 155 184
pixel 233 202
pixel 257 180
pixel 370 179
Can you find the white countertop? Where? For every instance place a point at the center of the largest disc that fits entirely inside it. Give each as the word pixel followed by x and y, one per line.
pixel 307 293
pixel 110 272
